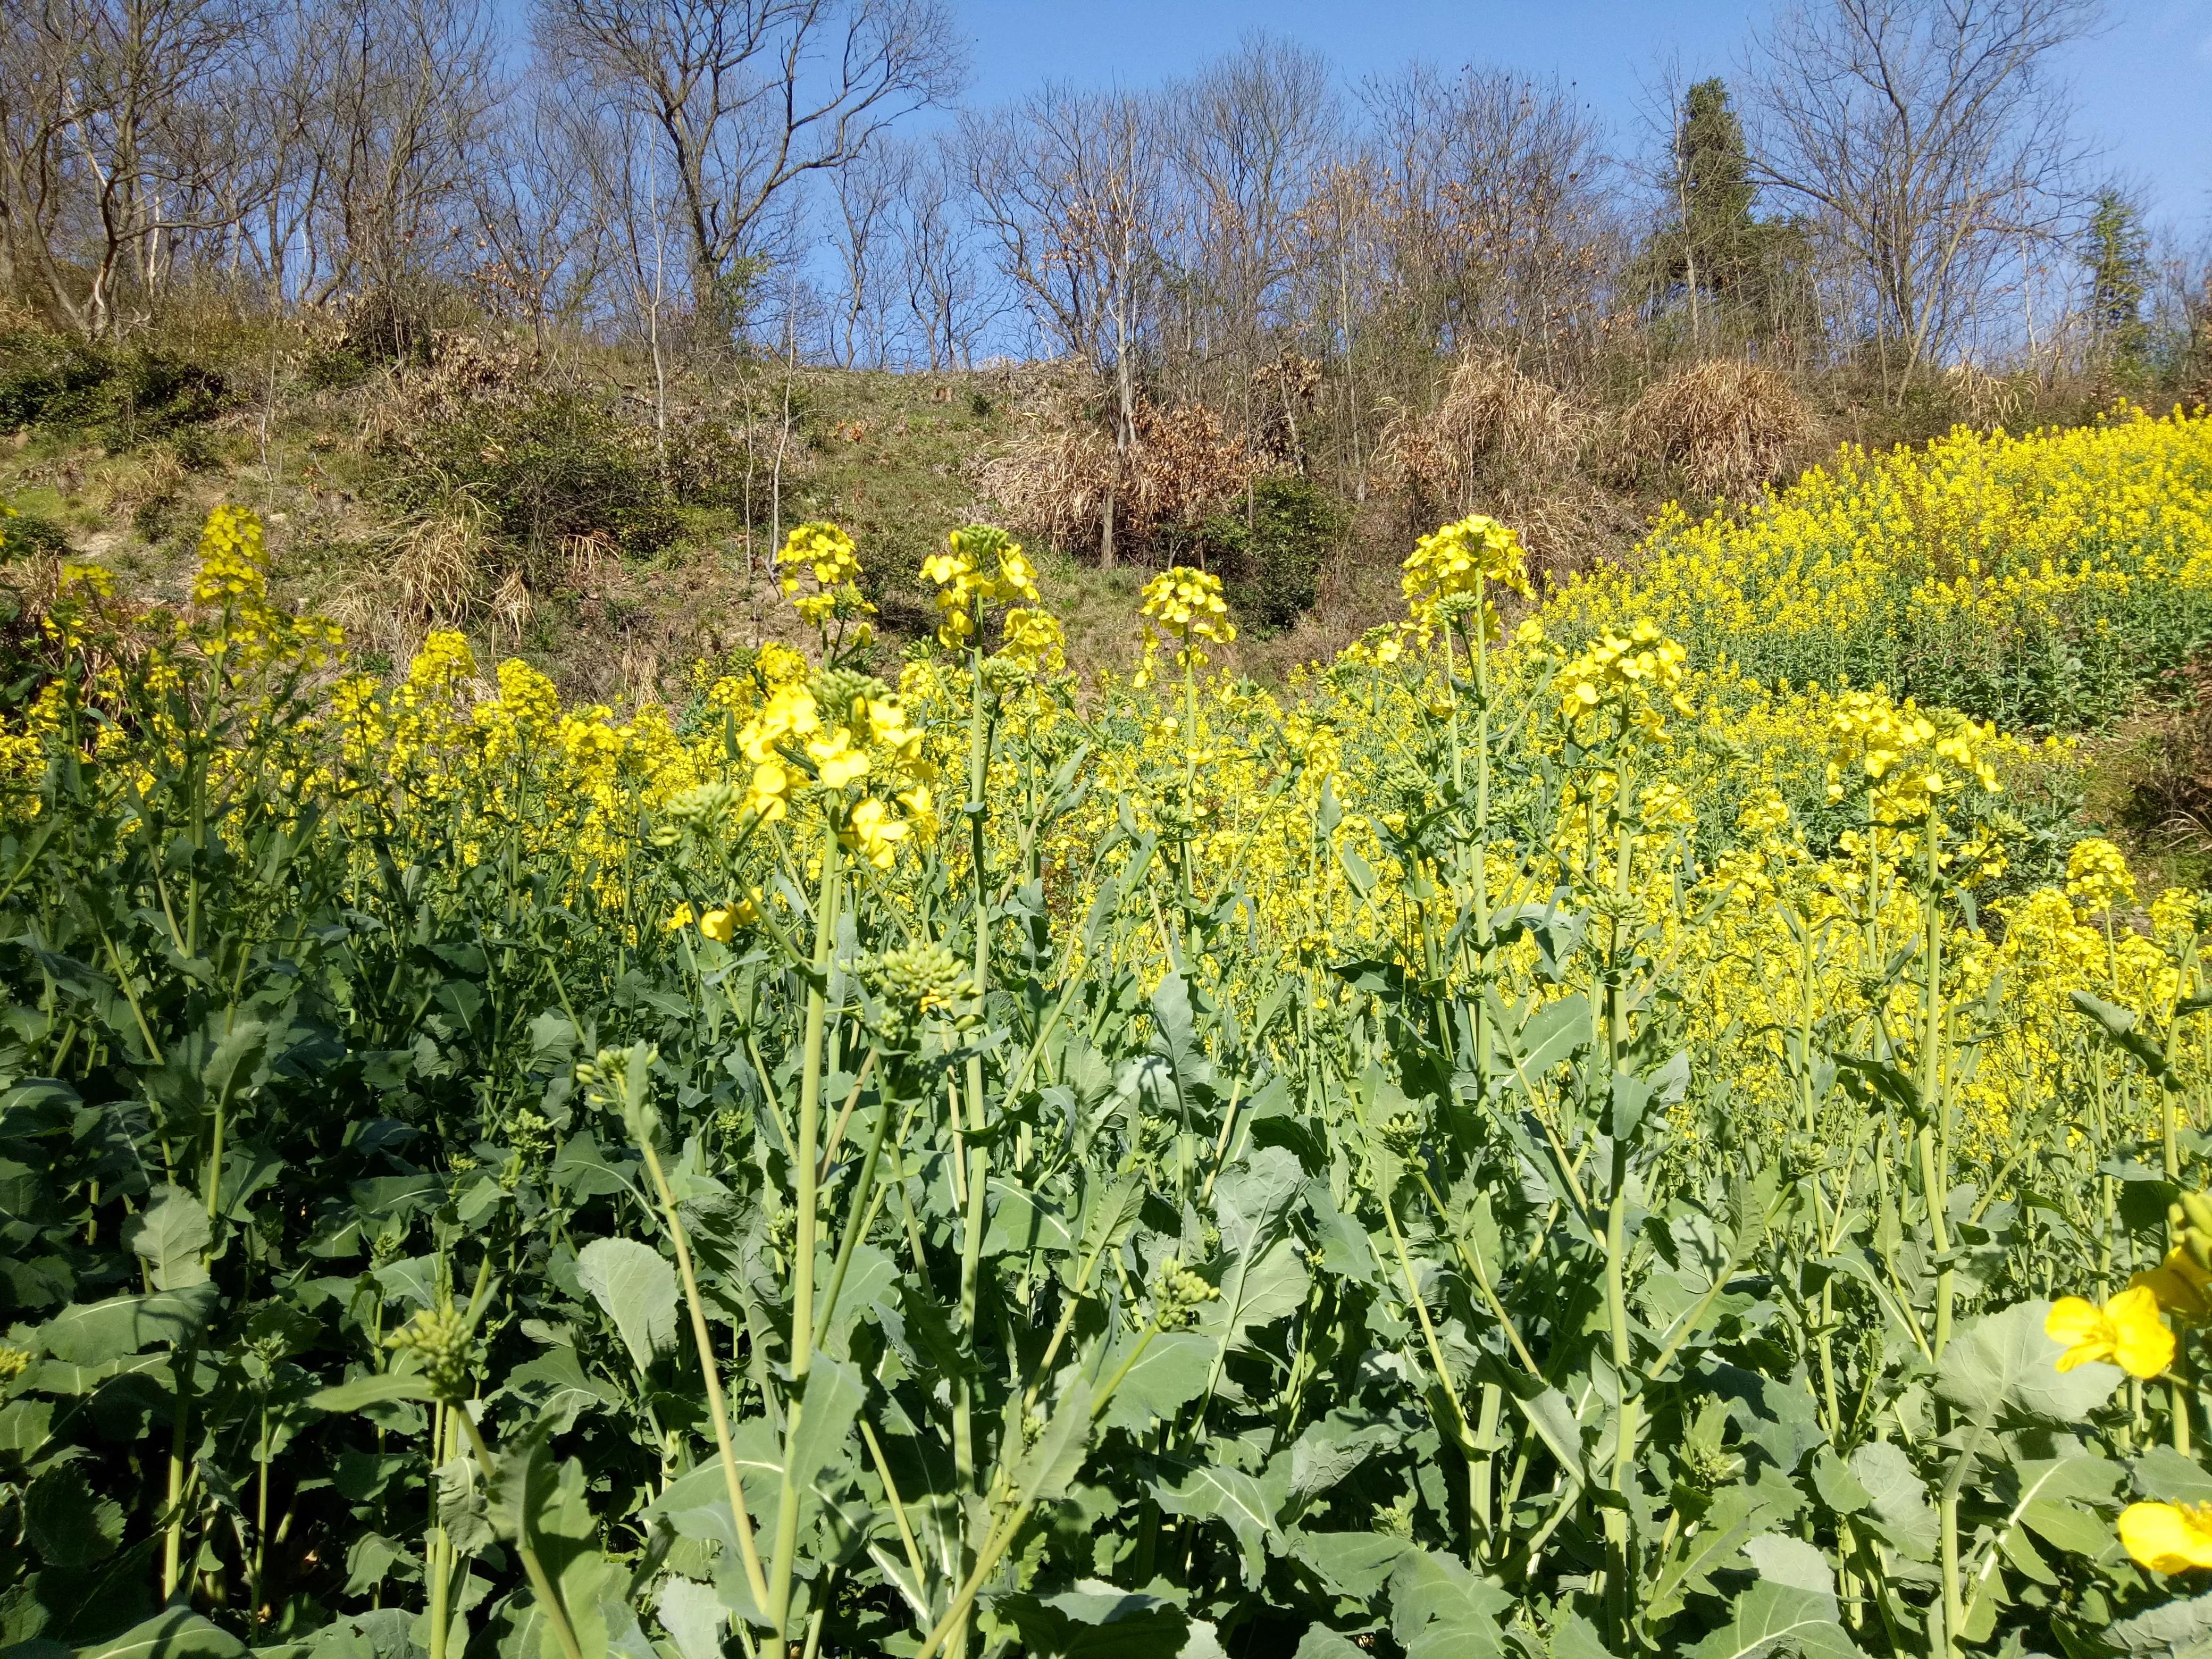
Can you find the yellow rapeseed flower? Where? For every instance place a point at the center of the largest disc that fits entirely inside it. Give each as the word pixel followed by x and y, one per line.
pixel 2183 1288
pixel 2128 1332
pixel 2168 1537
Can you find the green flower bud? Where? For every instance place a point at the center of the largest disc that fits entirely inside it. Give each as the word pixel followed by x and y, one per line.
pixel 447 1342
pixel 1177 1295
pixel 913 986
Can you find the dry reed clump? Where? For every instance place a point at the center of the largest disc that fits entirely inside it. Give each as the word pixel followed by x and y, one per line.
pixel 1493 419
pixel 1983 400
pixel 436 568
pixel 464 371
pixel 1061 472
pixel 150 479
pixel 1729 426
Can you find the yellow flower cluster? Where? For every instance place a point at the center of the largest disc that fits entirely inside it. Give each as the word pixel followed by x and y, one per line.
pixel 1296 806
pixel 1459 559
pixel 2097 877
pixel 1616 672
pixel 1182 605
pixel 981 565
pixel 1952 569
pixel 828 554
pixel 1913 758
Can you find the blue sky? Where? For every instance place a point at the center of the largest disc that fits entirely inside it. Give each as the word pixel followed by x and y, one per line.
pixel 2145 84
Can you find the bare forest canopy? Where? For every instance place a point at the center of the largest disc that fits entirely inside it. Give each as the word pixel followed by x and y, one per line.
pixel 1272 300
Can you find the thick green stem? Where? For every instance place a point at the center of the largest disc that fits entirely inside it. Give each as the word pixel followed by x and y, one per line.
pixel 1935 1147
pixel 778 1607
pixel 436 1553
pixel 184 1360
pixel 717 1407
pixel 541 1586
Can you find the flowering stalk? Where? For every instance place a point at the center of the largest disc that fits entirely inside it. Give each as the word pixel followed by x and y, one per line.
pixel 778 1605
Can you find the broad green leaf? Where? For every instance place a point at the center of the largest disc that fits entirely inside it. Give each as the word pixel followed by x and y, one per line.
pixel 1839 1489
pixel 97 1332
pixel 1575 1638
pixel 2182 1629
pixel 1552 1034
pixel 1257 1289
pixel 836 1390
pixel 871 1280
pixel 1211 1491
pixel 24 1424
pixel 238 1051
pixel 69 1523
pixel 380 1633
pixel 1902 1518
pixel 1439 1610
pixel 1168 1374
pixel 2042 1494
pixel 371 1390
pixel 1023 1222
pixel 1049 1467
pixel 697 1504
pixel 171 1236
pixel 2001 1365
pixel 694 1617
pixel 1095 1621
pixel 2119 1027
pixel 411 1283
pixel 463 1510
pixel 1320 1642
pixel 1355 1564
pixel 2173 1477
pixel 1176 1029
pixel 1327 1451
pixel 1735 1515
pixel 1792 1608
pixel 173 1633
pixel 370 1558
pixel 635 1287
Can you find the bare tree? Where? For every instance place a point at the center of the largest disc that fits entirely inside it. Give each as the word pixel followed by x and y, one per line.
pixel 747 98
pixel 943 268
pixel 865 195
pixel 1931 142
pixel 410 100
pixel 1073 186
pixel 99 105
pixel 1254 131
pixel 541 231
pixel 1500 222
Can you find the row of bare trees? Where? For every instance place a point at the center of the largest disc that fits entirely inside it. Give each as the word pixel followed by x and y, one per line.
pixel 1905 174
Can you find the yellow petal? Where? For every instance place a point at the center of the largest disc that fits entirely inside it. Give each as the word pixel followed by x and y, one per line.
pixel 2082 1327
pixel 2145 1345
pixel 2164 1537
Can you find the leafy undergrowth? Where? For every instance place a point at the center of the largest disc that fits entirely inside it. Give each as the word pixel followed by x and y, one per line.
pixel 1564 1149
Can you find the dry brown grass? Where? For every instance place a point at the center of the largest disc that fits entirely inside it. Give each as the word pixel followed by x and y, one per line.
pixel 1727 426
pixel 1059 475
pixel 1493 422
pixel 463 369
pixel 149 478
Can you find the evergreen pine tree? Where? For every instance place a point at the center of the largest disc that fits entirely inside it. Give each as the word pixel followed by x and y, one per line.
pixel 2118 253
pixel 1714 257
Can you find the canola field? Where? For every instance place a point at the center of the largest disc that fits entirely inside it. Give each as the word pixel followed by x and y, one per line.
pixel 1621 1119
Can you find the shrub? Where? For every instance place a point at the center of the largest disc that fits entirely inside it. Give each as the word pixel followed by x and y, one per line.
pixel 119 398
pixel 1493 418
pixel 1727 425
pixel 547 466
pixel 28 536
pixel 1271 564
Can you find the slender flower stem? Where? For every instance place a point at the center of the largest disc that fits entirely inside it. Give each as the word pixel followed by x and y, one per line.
pixel 541 1586
pixel 778 1605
